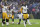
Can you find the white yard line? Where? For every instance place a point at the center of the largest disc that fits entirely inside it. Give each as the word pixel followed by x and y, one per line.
pixel 35 23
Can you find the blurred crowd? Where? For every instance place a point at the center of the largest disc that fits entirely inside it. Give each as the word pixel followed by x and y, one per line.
pixel 33 6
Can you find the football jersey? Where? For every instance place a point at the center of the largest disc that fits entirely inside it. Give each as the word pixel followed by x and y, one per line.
pixel 24 9
pixel 4 9
pixel 9 11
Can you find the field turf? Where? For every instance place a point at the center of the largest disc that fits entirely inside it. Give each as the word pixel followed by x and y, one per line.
pixel 34 22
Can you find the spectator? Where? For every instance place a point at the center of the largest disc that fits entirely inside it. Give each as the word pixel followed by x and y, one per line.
pixel 0 0
pixel 33 12
pixel 30 7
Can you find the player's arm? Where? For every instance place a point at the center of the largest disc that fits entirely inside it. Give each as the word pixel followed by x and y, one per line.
pixel 1 6
pixel 10 5
pixel 20 10
pixel 27 8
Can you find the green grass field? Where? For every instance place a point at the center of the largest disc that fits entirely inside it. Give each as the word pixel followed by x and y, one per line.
pixel 34 22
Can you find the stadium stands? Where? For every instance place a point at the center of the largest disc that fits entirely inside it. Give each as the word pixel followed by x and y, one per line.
pixel 31 5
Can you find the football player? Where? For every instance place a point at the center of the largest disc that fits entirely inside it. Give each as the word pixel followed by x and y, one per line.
pixel 25 14
pixel 20 15
pixel 4 14
pixel 11 14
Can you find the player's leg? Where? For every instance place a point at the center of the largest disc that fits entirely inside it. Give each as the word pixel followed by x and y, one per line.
pixel 25 19
pixel 19 21
pixel 3 22
pixel 24 22
pixel 12 19
pixel 3 19
pixel 7 19
pixel 20 17
pixel 28 19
